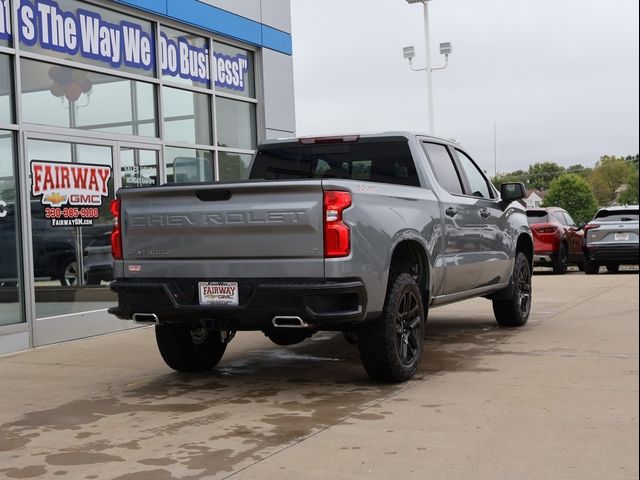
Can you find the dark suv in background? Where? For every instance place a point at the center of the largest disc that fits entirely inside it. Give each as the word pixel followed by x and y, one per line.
pixel 557 240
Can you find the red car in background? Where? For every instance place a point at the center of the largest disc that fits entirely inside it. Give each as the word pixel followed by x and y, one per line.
pixel 557 240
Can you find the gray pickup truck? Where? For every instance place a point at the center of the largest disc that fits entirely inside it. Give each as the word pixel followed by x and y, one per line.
pixel 360 234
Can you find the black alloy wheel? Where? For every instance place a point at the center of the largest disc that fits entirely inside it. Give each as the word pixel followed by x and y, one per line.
pixel 408 331
pixel 391 346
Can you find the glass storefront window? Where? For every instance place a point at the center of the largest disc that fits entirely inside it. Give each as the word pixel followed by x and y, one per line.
pixel 92 35
pixel 6 89
pixel 138 168
pixel 233 166
pixel 184 58
pixel 10 284
pixel 68 97
pixel 187 116
pixel 70 226
pixel 233 70
pixel 5 23
pixel 236 124
pixel 188 165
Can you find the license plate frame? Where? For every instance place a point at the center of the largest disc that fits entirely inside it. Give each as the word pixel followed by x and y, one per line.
pixel 219 293
pixel 621 236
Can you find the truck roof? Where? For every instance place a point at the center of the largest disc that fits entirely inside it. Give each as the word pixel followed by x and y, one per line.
pixel 354 137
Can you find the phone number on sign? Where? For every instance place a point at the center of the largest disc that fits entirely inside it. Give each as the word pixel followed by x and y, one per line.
pixel 70 212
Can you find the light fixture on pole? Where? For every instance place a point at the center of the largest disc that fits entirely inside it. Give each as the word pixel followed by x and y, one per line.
pixel 409 53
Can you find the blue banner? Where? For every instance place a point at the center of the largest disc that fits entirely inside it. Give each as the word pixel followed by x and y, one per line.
pixel 86 34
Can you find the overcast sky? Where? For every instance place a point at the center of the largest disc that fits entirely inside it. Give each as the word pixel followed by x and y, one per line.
pixel 559 77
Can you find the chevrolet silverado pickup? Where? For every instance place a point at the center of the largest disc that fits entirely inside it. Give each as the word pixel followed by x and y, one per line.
pixel 361 234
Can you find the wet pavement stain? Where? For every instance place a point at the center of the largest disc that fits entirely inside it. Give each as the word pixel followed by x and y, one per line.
pixel 81 458
pixel 210 425
pixel 32 471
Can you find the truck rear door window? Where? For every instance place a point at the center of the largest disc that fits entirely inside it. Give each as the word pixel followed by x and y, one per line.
pixel 443 167
pixel 374 162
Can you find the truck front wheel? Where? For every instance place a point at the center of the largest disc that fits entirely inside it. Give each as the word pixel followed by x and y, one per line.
pixel 391 346
pixel 189 348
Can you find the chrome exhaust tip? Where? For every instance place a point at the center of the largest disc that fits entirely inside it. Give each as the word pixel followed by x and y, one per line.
pixel 288 321
pixel 145 319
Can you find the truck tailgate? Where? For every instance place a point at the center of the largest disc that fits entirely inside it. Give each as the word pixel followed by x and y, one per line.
pixel 236 229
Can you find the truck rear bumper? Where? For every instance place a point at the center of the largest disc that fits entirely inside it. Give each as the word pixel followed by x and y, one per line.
pixel 320 304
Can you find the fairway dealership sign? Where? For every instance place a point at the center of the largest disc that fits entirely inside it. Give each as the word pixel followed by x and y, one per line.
pixel 71 192
pixel 87 34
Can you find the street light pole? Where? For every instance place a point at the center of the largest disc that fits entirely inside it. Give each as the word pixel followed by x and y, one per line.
pixel 427 43
pixel 409 53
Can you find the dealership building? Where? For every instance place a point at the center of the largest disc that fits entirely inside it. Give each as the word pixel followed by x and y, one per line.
pixel 101 95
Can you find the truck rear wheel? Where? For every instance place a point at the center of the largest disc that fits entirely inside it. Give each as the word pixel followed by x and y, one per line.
pixel 189 348
pixel 391 346
pixel 514 311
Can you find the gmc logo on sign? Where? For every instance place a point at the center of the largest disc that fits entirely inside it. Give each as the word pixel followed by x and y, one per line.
pixel 79 199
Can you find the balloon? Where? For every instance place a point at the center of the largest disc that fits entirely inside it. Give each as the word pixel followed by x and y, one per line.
pixel 57 90
pixel 86 86
pixel 78 76
pixel 64 76
pixel 73 92
pixel 55 74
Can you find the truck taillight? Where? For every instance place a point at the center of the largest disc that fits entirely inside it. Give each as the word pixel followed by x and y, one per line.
pixel 116 236
pixel 337 237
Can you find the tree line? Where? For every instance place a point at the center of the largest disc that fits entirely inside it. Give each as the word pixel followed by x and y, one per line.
pixel 578 189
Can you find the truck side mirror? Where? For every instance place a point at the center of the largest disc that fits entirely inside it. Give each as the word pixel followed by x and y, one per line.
pixel 510 192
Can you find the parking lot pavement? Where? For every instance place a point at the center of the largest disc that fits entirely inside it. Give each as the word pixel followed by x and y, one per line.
pixel 555 399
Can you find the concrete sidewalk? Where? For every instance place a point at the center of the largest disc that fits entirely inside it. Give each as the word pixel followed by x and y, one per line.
pixel 555 399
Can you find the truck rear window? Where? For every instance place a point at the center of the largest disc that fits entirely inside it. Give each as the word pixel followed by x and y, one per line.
pixel 374 162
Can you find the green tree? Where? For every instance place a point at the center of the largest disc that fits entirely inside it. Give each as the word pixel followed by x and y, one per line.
pixel 581 170
pixel 609 173
pixel 540 175
pixel 630 197
pixel 574 194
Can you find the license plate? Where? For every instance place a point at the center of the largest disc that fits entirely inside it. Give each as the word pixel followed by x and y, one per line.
pixel 621 237
pixel 218 293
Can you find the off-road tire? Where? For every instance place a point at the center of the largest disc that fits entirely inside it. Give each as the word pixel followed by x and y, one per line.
pixel 391 346
pixel 561 260
pixel 514 311
pixel 613 268
pixel 186 352
pixel 590 268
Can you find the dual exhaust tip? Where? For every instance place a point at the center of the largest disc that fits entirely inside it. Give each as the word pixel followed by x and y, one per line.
pixel 279 321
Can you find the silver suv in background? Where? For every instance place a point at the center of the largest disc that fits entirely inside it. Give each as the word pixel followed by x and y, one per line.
pixel 611 239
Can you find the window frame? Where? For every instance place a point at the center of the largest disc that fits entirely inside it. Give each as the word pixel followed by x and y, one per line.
pixel 467 184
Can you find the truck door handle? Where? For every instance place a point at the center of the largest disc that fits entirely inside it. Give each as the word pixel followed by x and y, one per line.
pixel 484 213
pixel 451 211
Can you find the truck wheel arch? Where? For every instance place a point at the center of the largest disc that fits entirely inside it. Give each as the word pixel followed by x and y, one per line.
pixel 409 255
